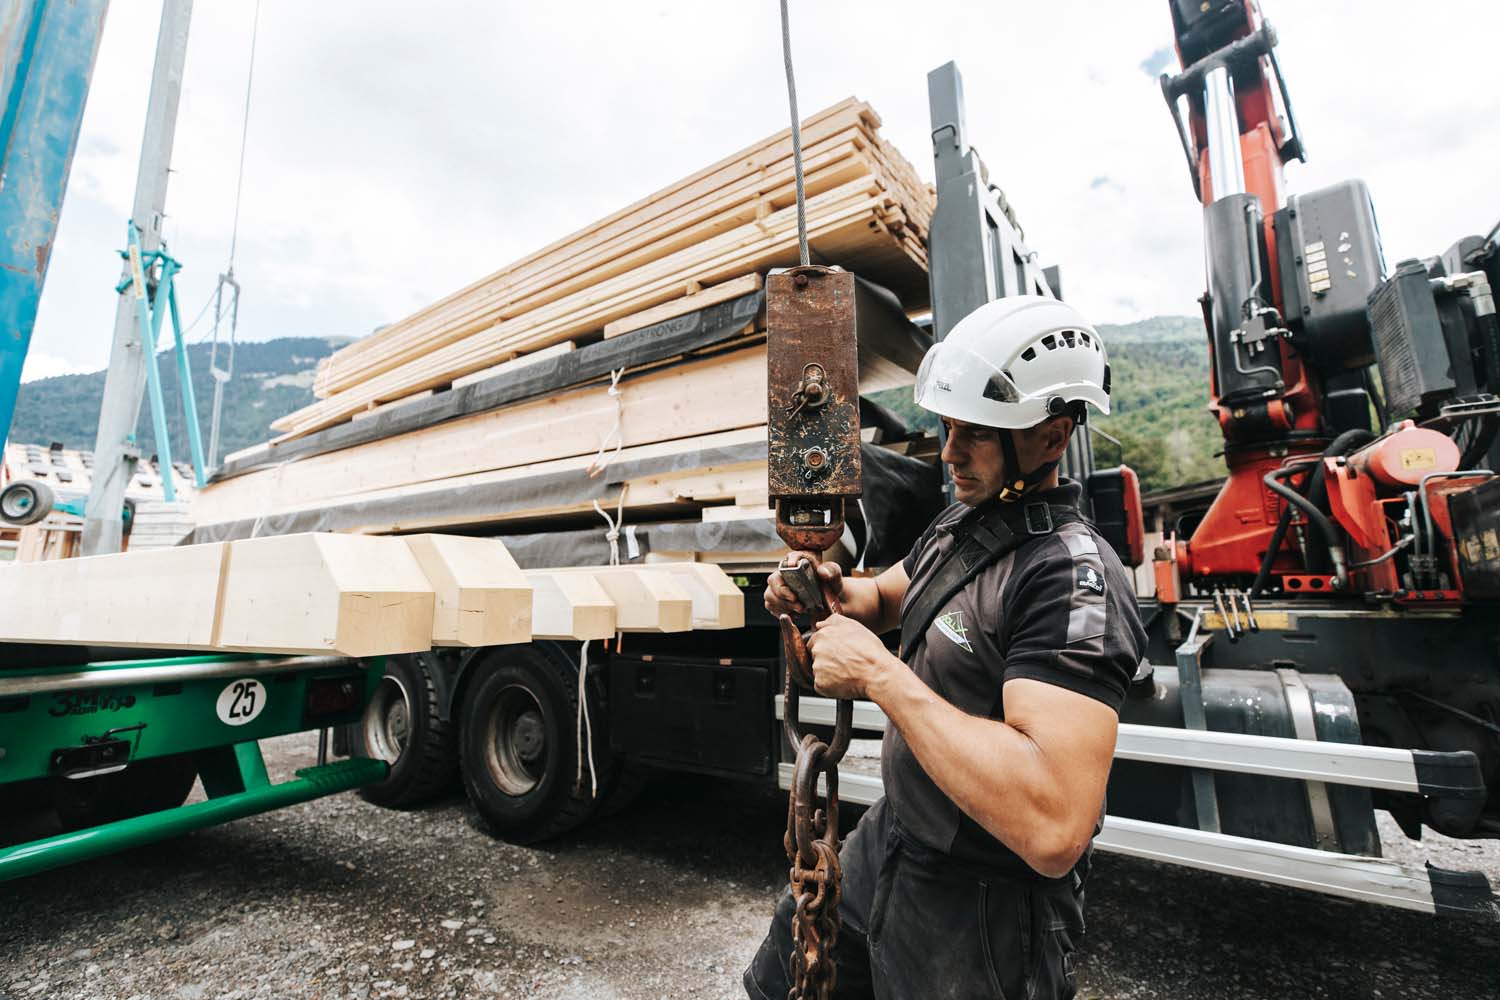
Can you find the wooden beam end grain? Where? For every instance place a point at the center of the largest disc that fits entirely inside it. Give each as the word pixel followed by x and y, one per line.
pixel 570 606
pixel 482 597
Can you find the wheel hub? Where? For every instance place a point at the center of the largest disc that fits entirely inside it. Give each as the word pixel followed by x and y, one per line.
pixel 516 741
pixel 528 737
pixel 398 725
pixel 387 721
pixel 16 505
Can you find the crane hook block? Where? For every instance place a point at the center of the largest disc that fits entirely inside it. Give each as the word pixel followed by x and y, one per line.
pixel 812 358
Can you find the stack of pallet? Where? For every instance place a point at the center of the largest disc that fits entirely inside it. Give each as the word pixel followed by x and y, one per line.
pixel 65 476
pixel 159 524
pixel 624 364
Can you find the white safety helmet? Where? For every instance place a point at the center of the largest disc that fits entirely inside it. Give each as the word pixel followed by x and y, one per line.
pixel 1014 362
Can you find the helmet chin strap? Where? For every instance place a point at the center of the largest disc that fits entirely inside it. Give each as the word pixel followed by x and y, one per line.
pixel 1018 485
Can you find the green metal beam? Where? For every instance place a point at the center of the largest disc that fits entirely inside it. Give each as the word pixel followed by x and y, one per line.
pixel 170 706
pixel 70 848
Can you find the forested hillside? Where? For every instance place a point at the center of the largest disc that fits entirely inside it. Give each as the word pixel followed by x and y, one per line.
pixel 1159 402
pixel 270 379
pixel 1160 387
pixel 1159 396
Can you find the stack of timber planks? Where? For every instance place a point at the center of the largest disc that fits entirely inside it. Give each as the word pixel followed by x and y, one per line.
pixel 867 210
pixel 622 368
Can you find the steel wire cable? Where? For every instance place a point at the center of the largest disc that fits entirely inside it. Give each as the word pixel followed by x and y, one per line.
pixel 791 93
pixel 239 184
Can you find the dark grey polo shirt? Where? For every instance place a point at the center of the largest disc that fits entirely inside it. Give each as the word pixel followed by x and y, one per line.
pixel 1059 609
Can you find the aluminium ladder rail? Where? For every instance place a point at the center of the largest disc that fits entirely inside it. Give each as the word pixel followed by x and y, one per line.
pixel 1373 880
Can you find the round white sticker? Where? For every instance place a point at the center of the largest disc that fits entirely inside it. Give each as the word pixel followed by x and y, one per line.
pixel 241 701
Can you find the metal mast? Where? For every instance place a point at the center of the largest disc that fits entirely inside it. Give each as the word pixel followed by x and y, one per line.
pixel 46 60
pixel 115 452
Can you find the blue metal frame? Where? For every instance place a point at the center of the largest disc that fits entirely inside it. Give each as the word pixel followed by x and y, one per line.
pixel 149 301
pixel 46 62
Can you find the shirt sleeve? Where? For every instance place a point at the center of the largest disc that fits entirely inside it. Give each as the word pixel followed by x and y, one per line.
pixel 1070 621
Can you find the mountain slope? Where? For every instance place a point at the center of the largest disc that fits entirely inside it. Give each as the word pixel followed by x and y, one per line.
pixel 1159 370
pixel 1159 402
pixel 270 379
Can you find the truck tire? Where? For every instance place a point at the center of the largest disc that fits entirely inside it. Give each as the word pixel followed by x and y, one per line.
pixel 146 786
pixel 519 745
pixel 402 726
pixel 629 781
pixel 26 502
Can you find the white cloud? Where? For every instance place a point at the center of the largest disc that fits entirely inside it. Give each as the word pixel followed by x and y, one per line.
pixel 396 156
pixel 40 365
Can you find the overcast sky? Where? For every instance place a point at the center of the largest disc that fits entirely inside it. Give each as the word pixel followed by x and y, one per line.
pixel 398 151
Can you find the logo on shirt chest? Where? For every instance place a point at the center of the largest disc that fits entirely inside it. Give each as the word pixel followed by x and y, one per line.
pixel 952 626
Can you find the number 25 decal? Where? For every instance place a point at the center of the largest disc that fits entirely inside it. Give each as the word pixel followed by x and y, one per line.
pixel 241 701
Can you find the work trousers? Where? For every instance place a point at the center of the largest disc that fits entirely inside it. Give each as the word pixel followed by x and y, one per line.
pixel 919 924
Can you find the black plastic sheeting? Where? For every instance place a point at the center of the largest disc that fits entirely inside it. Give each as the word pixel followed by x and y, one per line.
pixel 706 327
pixel 901 497
pixel 589 547
pixel 439 507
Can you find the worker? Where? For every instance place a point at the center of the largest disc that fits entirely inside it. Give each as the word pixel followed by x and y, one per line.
pixel 967 879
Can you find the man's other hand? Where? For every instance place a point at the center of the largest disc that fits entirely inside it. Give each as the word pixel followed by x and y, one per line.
pixel 848 659
pixel 782 600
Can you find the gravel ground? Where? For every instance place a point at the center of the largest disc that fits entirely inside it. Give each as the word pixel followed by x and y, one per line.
pixel 338 898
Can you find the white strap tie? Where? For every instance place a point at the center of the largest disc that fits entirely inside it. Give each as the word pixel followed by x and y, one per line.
pixel 614 525
pixel 599 463
pixel 585 725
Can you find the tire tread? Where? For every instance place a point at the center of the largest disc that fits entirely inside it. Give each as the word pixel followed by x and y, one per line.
pixel 574 809
pixel 436 750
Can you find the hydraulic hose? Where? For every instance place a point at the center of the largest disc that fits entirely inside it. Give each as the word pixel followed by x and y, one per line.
pixel 1317 486
pixel 1317 491
pixel 1273 482
pixel 1272 548
pixel 1480 446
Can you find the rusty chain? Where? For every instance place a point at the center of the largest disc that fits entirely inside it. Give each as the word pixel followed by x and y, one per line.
pixel 812 834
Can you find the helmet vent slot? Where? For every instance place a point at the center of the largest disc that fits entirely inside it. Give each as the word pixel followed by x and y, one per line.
pixel 1002 389
pixel 1049 342
pixel 1029 354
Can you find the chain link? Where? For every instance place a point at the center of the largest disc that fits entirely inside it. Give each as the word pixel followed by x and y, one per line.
pixel 812 834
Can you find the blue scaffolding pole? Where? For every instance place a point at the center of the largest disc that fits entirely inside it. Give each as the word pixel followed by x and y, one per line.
pixel 47 50
pixel 155 299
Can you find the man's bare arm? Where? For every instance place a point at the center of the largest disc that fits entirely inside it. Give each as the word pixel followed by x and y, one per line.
pixel 874 602
pixel 879 599
pixel 1035 781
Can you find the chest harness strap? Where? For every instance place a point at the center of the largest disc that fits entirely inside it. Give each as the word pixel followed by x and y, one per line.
pixel 980 539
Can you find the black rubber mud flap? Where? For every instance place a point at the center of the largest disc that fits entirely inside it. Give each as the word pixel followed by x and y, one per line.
pixel 1463 894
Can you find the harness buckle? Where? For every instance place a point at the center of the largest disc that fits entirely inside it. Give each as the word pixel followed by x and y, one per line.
pixel 1038 518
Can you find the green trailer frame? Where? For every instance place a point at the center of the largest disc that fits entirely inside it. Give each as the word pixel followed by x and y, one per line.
pixel 90 721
